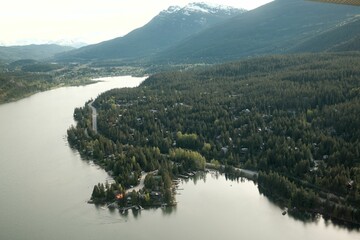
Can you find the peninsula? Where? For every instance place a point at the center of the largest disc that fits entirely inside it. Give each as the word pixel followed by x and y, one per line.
pixel 291 118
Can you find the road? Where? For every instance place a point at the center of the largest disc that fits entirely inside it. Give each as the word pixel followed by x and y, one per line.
pixel 142 180
pixel 94 117
pixel 247 173
pixel 94 127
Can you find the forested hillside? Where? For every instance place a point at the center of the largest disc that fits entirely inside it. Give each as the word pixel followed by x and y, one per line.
pixel 344 37
pixel 187 35
pixel 274 28
pixel 293 118
pixel 26 77
pixel 38 52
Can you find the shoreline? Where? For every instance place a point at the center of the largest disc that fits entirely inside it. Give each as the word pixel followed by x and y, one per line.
pixel 304 213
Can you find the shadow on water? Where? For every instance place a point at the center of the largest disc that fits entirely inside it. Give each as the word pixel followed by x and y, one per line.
pixel 307 217
pixel 341 224
pixel 165 210
pixel 136 213
pixel 198 177
pixel 168 210
pixel 303 217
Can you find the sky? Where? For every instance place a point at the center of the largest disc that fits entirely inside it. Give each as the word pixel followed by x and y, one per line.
pixel 89 21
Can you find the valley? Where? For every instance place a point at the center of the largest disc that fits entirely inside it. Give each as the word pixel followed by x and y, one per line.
pixel 196 35
pixel 203 99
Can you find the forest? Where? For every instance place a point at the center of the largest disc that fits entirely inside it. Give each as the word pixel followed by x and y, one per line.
pixel 293 118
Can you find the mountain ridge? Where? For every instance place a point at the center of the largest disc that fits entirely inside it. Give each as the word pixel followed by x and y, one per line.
pixel 167 28
pixel 340 38
pixel 32 51
pixel 273 28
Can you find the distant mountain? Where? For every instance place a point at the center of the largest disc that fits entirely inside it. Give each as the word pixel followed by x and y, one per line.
pixel 37 52
pixel 70 43
pixel 166 29
pixel 273 28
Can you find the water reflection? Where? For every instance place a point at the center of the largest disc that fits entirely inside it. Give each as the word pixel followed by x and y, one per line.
pixel 168 210
pixel 124 213
pixel 198 176
pixel 307 217
pixel 136 213
pixel 203 176
pixel 196 196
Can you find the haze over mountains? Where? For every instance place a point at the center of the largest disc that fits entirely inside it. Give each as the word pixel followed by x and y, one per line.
pixel 275 28
pixel 201 33
pixel 36 52
pixel 166 29
pixel 184 36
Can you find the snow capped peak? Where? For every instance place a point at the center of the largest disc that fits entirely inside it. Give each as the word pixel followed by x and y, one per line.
pixel 208 7
pixel 200 7
pixel 172 9
pixel 197 7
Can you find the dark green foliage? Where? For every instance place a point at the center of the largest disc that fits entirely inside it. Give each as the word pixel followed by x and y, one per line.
pixel 158 187
pixel 106 192
pixel 280 187
pixel 293 117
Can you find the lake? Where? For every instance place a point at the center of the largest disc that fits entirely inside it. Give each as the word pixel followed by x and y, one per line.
pixel 44 187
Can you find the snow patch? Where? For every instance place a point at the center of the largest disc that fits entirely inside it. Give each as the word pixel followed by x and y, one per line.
pixel 196 7
pixel 207 8
pixel 172 9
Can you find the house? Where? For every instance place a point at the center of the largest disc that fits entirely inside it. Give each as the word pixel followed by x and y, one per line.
pixel 350 184
pixel 119 196
pixel 224 149
pixel 244 150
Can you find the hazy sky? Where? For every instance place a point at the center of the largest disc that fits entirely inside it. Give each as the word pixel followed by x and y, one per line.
pixel 90 21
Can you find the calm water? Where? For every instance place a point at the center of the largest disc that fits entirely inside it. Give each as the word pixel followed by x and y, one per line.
pixel 44 186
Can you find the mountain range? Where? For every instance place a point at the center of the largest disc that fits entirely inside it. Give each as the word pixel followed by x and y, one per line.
pixel 279 27
pixel 168 28
pixel 36 52
pixel 200 32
